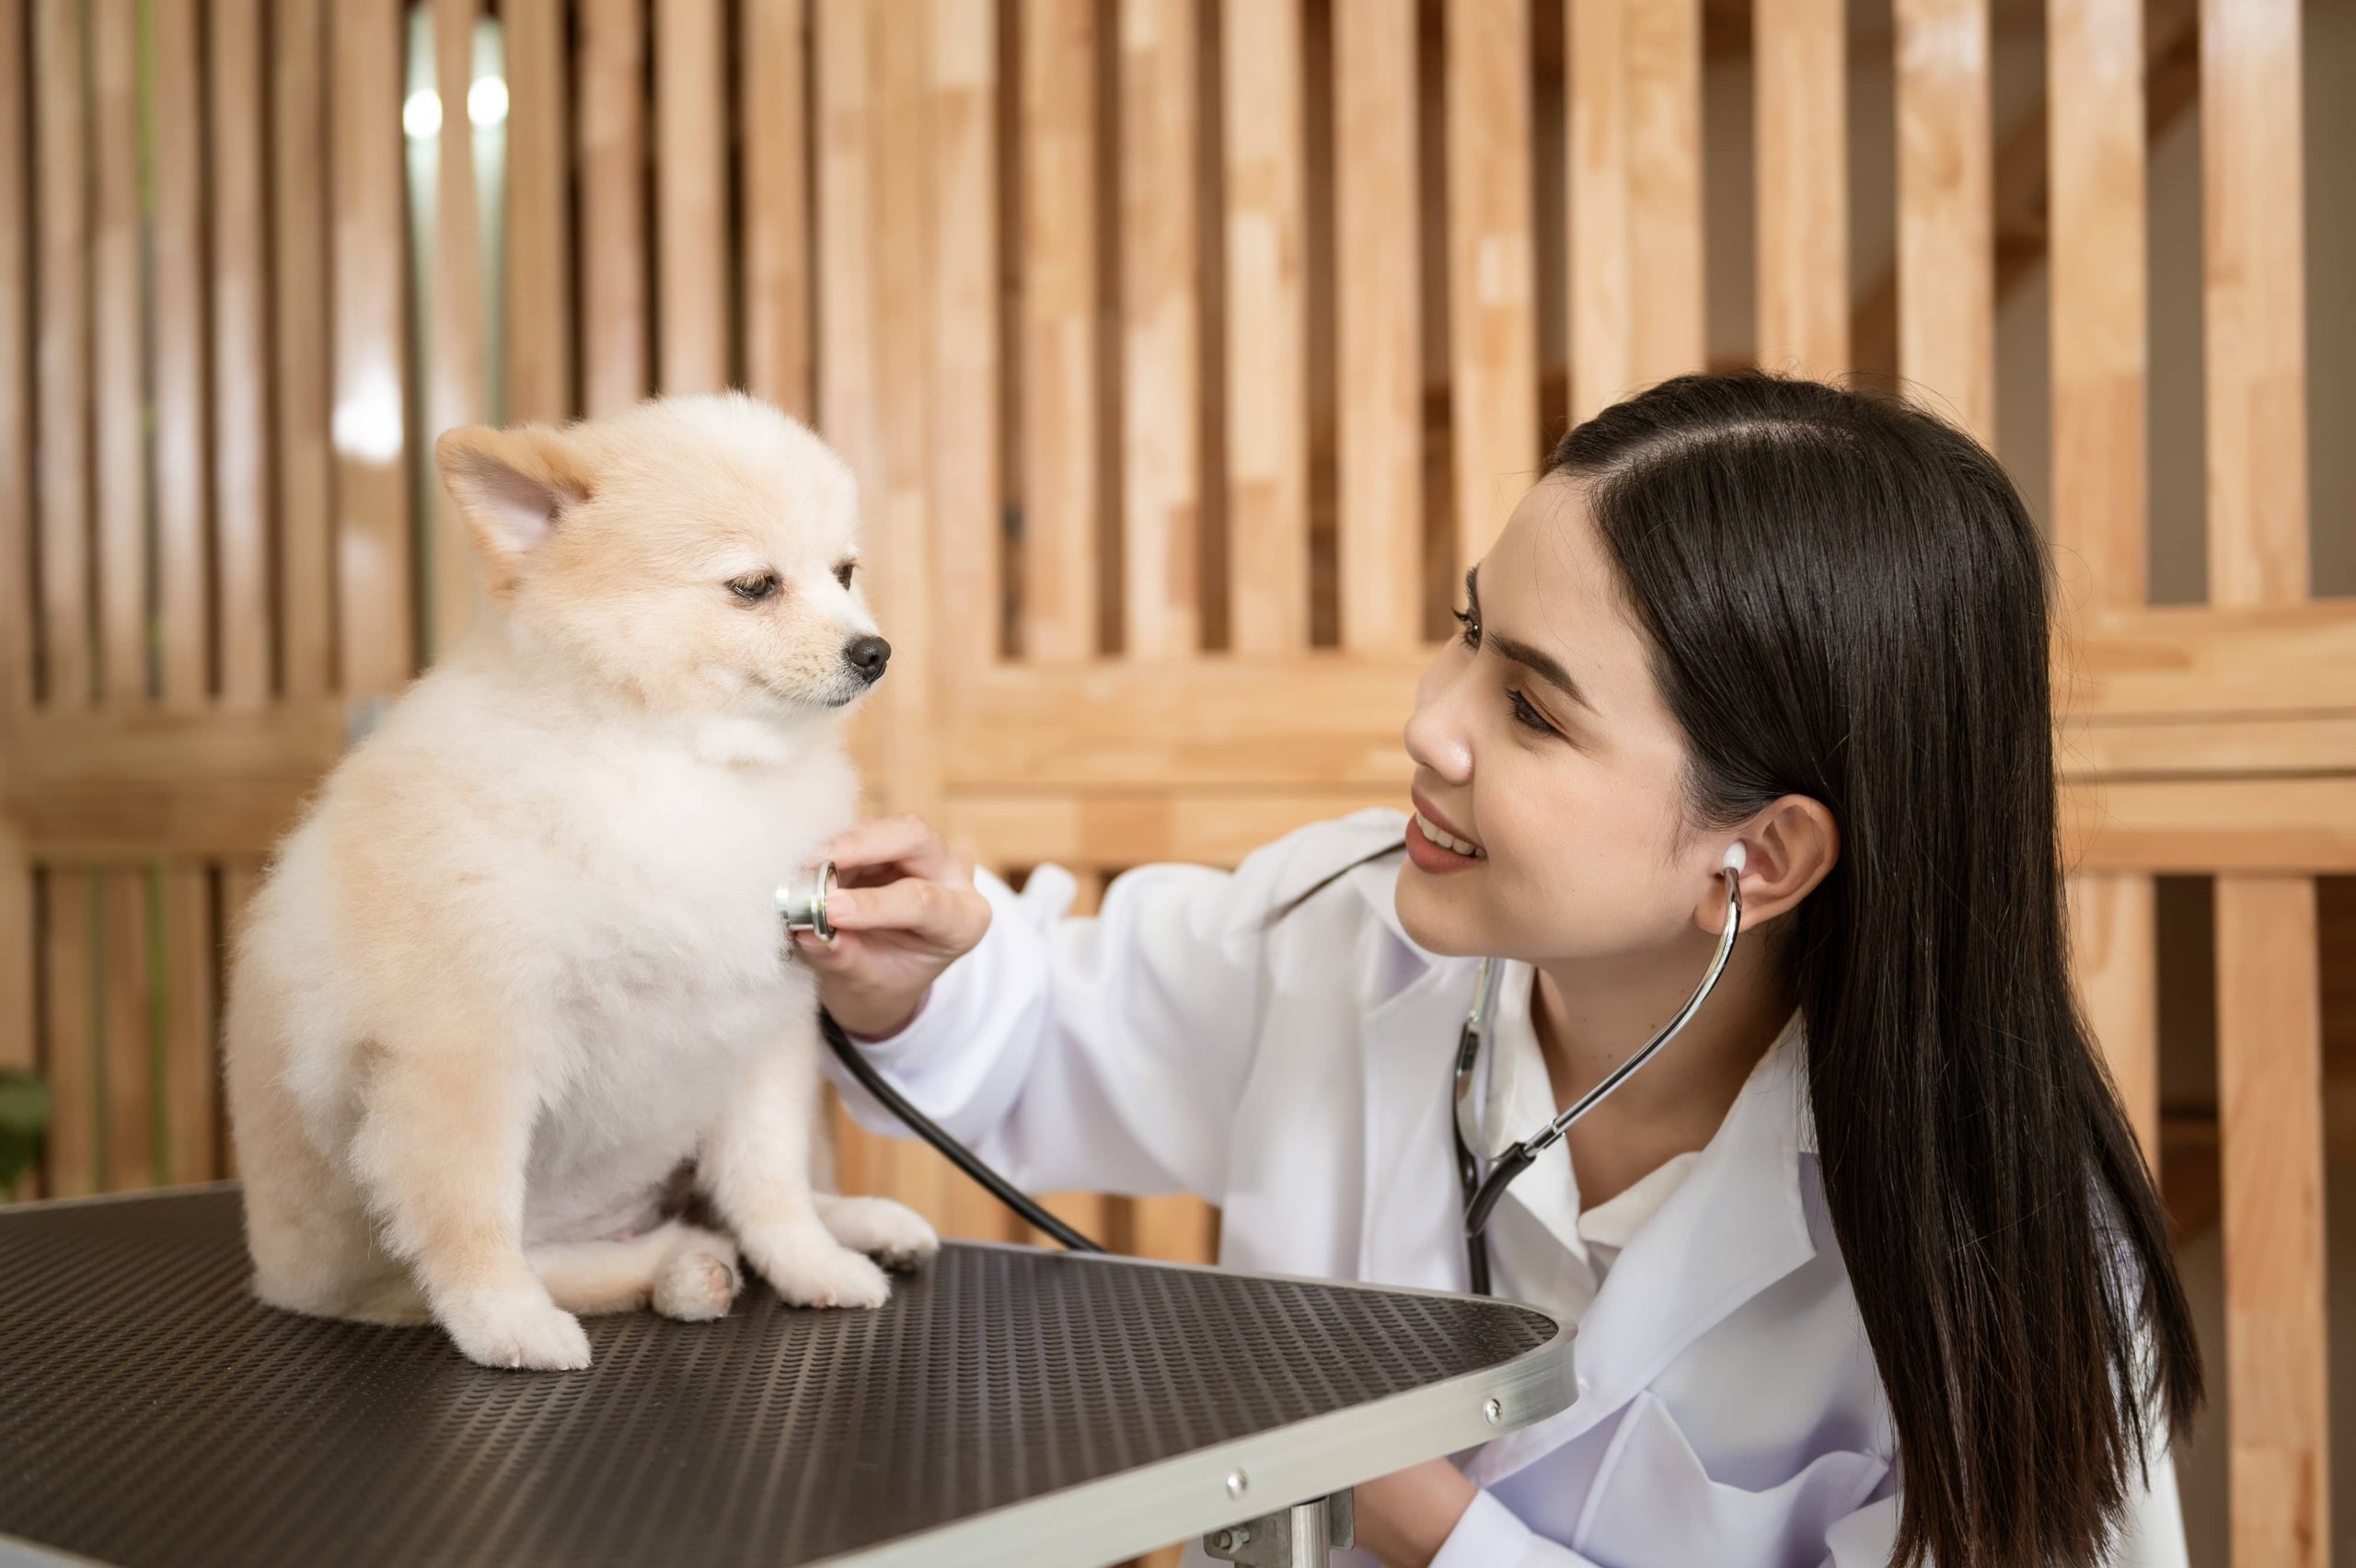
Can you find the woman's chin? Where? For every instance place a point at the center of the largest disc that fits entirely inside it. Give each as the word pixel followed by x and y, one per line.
pixel 1430 923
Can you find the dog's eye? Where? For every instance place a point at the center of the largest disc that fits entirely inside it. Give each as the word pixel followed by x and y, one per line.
pixel 754 588
pixel 843 572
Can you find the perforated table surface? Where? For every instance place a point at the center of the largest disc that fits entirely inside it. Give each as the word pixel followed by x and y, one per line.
pixel 1009 1406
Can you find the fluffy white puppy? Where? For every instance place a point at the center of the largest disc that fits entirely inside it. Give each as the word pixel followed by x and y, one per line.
pixel 514 994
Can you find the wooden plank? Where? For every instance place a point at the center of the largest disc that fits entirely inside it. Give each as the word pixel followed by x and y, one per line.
pixel 967 489
pixel 774 56
pixel 375 576
pixel 457 392
pixel 847 410
pixel 2095 99
pixel 612 127
pixel 190 1065
pixel 2254 301
pixel 1162 400
pixel 962 408
pixel 19 595
pixel 118 351
pixel 2270 1106
pixel 849 372
pixel 2114 960
pixel 2270 1024
pixel 19 944
pixel 2095 94
pixel 1057 278
pixel 68 1036
pixel 1266 395
pixel 127 1144
pixel 1177 1229
pixel 1664 172
pixel 241 880
pixel 2220 748
pixel 298 262
pixel 240 384
pixel 1800 83
pixel 1378 372
pixel 1947 333
pixel 1077 828
pixel 61 407
pixel 1492 275
pixel 902 526
pixel 178 341
pixel 1596 198
pixel 539 214
pixel 691 195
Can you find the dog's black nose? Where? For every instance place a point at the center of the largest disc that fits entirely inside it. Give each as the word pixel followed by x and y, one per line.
pixel 868 655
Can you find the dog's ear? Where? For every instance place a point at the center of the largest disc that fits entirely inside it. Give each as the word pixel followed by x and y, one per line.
pixel 512 487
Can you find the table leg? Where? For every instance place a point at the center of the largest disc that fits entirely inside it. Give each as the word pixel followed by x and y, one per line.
pixel 1302 1536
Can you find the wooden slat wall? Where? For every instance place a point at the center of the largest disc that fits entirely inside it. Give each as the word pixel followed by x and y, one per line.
pixel 1047 273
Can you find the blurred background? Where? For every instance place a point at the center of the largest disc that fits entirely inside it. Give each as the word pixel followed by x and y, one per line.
pixel 1186 352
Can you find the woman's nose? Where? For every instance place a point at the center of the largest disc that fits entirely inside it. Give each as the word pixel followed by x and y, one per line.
pixel 1435 737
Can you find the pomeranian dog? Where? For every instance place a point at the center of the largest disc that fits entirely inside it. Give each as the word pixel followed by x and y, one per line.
pixel 512 1030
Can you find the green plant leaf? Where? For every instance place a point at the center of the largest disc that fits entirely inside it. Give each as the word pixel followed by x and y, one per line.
pixel 24 1116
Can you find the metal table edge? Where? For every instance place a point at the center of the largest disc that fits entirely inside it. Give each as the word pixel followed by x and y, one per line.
pixel 1179 1498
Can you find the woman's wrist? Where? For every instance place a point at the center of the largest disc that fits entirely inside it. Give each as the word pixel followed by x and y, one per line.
pixel 1405 1519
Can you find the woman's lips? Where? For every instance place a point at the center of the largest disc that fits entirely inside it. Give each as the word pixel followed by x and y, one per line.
pixel 1428 856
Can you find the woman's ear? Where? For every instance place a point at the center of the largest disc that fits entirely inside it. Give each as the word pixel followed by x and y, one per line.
pixel 512 486
pixel 1786 850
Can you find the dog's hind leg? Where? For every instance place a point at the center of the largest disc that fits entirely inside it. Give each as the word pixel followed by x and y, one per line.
pixel 681 1271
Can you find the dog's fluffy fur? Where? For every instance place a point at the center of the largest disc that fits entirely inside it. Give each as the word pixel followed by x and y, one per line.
pixel 517 980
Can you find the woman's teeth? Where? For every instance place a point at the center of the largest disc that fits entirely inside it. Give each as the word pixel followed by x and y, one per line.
pixel 1446 841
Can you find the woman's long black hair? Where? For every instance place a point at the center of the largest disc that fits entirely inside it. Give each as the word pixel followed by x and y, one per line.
pixel 1847 600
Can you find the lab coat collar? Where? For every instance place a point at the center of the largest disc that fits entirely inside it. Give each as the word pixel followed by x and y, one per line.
pixel 1737 1225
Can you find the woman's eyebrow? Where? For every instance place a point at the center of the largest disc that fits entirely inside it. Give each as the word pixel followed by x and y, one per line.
pixel 1537 660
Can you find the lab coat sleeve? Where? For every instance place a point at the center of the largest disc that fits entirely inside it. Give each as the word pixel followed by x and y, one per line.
pixel 1104 1053
pixel 1491 1535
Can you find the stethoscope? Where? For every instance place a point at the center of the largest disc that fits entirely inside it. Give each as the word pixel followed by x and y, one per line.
pixel 801 906
pixel 1482 1191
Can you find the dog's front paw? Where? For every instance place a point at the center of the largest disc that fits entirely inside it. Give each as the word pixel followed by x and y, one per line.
pixel 517 1329
pixel 809 1268
pixel 894 1232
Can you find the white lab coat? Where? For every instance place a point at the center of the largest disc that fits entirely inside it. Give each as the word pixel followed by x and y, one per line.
pixel 1295 1073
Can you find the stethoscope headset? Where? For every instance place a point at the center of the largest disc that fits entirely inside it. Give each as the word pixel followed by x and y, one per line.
pixel 804 909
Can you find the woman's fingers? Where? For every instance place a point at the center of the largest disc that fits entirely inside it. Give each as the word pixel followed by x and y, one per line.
pixel 907 842
pixel 952 918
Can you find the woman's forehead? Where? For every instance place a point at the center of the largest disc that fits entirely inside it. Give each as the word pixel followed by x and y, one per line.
pixel 1548 580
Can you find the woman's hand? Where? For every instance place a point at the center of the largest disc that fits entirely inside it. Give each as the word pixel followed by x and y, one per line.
pixel 903 909
pixel 1405 1519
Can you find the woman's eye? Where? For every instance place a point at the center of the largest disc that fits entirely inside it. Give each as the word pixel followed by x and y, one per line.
pixel 1524 713
pixel 1471 625
pixel 753 589
pixel 843 572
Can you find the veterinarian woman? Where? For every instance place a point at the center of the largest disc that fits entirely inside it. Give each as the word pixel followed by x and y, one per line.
pixel 1864 1265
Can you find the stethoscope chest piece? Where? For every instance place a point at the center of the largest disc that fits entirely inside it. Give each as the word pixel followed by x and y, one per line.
pixel 801 903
